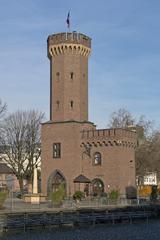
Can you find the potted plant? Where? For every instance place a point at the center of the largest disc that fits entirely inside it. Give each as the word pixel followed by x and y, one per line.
pixel 3 196
pixel 113 195
pixel 78 196
pixel 58 196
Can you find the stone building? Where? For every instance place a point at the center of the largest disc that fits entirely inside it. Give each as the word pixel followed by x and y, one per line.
pixel 73 150
pixel 7 178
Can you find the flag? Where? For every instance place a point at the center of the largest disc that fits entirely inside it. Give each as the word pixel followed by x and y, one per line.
pixel 68 20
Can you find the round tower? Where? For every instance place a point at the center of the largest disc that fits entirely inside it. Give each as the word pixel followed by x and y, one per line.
pixel 68 54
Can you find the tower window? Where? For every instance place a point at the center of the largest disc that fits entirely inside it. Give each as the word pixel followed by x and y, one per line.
pixel 71 104
pixel 97 159
pixel 56 150
pixel 71 75
pixel 57 104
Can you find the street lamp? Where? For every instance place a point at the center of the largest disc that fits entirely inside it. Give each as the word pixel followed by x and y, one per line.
pixel 86 151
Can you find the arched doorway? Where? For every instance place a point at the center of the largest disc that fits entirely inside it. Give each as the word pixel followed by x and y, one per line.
pixel 97 187
pixel 55 180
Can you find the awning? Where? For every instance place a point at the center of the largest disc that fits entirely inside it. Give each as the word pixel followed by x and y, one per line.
pixel 81 179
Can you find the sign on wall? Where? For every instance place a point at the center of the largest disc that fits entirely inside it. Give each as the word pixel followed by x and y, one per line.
pixel 150 179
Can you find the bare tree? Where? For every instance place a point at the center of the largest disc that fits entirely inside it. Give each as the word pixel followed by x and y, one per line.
pixel 148 155
pixel 121 119
pixel 143 164
pixel 20 138
pixel 147 125
pixel 124 119
pixel 3 108
pixel 147 148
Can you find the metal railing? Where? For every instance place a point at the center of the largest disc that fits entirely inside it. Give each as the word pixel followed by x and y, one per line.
pixel 26 221
pixel 14 204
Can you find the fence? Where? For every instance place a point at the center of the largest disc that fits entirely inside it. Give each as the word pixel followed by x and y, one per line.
pixel 15 204
pixel 49 219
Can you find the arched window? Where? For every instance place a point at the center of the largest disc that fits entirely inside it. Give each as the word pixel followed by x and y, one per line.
pixel 97 187
pixel 97 159
pixel 55 181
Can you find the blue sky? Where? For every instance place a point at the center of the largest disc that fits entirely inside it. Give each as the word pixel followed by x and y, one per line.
pixel 124 67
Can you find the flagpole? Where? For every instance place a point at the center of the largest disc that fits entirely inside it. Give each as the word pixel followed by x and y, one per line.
pixel 68 21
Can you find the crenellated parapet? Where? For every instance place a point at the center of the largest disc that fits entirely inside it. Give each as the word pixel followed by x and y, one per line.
pixel 109 137
pixel 75 43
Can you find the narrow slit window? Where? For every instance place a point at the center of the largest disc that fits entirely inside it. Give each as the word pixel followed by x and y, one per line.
pixel 57 104
pixel 71 104
pixel 71 74
pixel 58 76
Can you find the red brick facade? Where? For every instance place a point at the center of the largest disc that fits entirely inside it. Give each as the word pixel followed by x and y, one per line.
pixel 106 157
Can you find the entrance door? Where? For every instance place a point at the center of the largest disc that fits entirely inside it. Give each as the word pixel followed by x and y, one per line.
pixel 57 181
pixel 97 187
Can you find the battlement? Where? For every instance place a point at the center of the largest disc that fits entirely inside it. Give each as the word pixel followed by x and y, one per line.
pixel 109 137
pixel 74 37
pixel 108 133
pixel 74 42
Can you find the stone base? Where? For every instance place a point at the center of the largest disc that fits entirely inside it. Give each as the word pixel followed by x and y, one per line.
pixel 35 198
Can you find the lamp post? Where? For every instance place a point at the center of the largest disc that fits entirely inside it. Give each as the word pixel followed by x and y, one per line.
pixel 108 186
pixel 86 151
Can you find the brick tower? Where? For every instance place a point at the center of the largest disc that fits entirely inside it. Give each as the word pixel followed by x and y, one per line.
pixel 73 150
pixel 68 54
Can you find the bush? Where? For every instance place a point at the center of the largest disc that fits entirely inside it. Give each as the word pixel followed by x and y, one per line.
pixel 153 196
pixel 3 196
pixel 78 195
pixel 58 196
pixel 144 191
pixel 113 194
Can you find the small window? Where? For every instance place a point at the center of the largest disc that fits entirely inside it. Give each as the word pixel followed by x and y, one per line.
pixel 56 150
pixel 58 76
pixel 71 104
pixel 97 159
pixel 57 104
pixel 71 75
